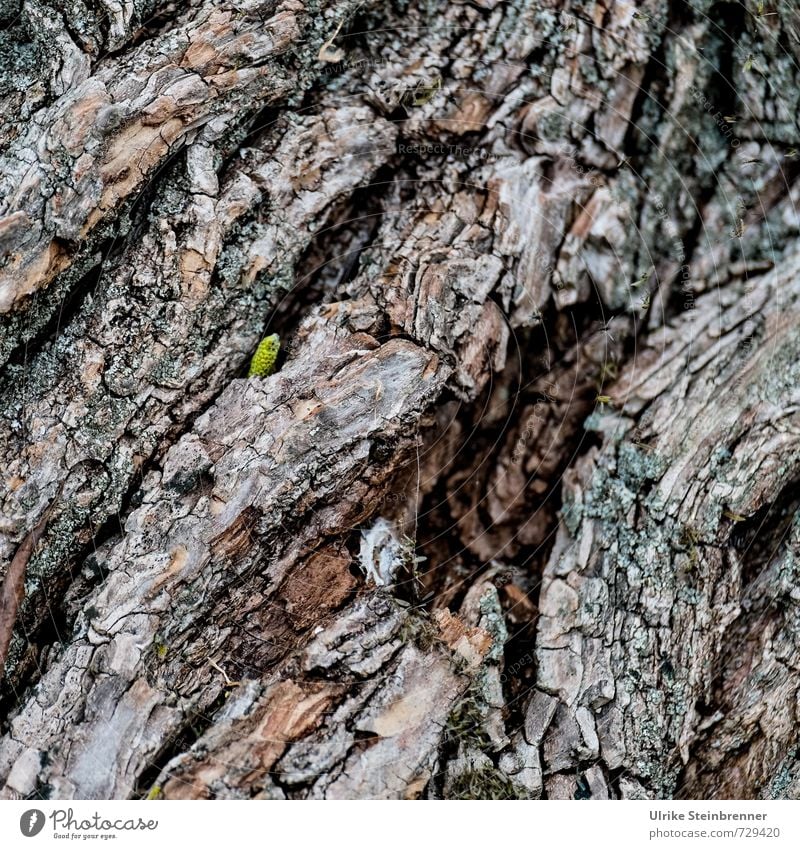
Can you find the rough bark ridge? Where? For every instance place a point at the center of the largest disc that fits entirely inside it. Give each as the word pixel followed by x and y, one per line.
pixel 517 516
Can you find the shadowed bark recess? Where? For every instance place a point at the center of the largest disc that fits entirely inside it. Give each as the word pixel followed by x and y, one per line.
pixel 516 514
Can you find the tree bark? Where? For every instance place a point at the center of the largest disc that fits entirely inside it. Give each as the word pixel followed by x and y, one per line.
pixel 517 514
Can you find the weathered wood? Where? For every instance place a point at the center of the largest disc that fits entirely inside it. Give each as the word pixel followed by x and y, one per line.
pixel 97 405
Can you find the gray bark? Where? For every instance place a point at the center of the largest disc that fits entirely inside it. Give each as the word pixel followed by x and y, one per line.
pixel 516 516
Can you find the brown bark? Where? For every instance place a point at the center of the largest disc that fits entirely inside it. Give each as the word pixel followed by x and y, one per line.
pixel 515 517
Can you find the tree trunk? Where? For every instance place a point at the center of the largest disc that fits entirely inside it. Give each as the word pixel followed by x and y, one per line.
pixel 516 516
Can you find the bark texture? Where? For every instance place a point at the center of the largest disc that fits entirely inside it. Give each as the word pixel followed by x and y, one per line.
pixel 516 516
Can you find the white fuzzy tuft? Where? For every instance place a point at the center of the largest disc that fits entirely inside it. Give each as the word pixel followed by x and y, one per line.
pixel 382 553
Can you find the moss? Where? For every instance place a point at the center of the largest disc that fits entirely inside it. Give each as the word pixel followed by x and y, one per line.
pixel 484 783
pixel 688 539
pixel 161 649
pixel 418 629
pixel 465 723
pixel 265 357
